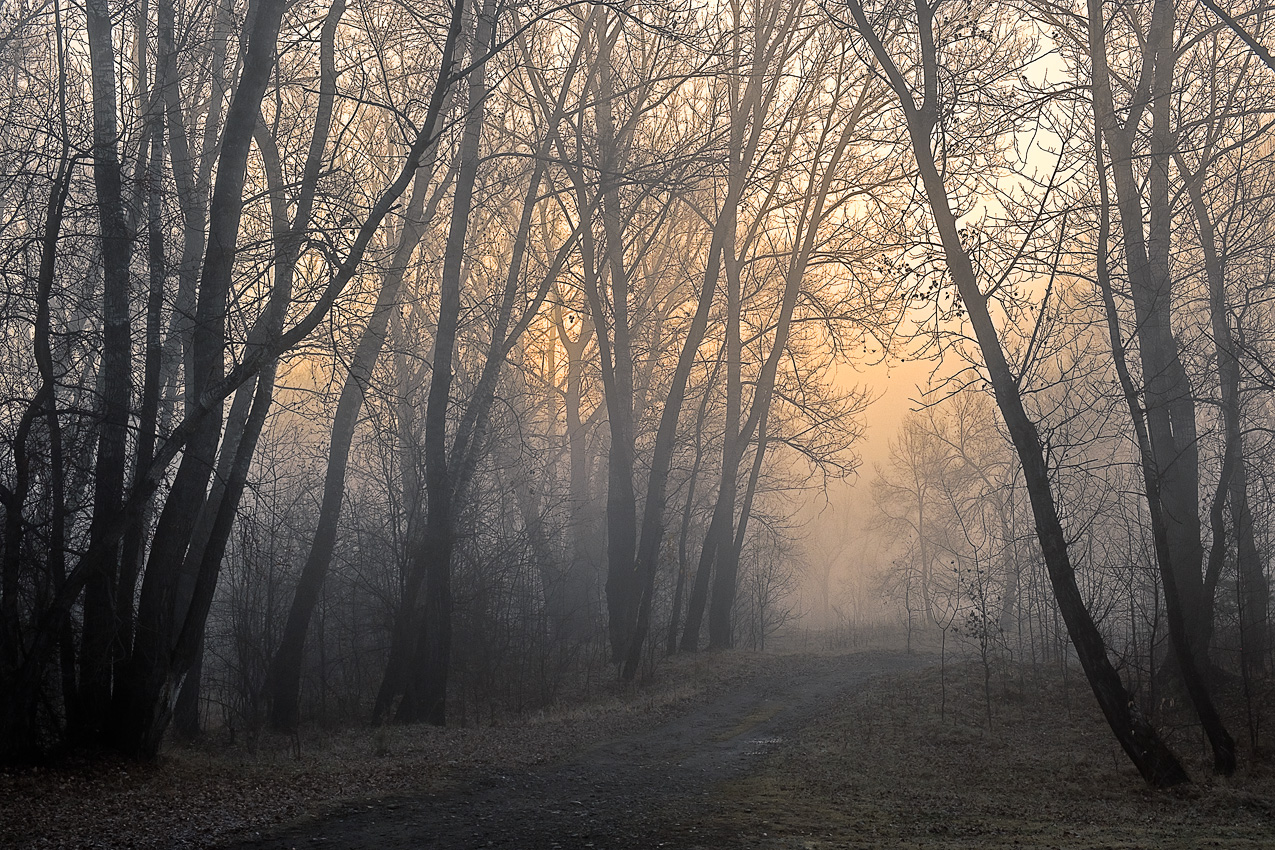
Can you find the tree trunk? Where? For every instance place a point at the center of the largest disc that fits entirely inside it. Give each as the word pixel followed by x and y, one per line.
pixel 1137 737
pixel 812 214
pixel 134 541
pixel 722 609
pixel 698 602
pixel 644 569
pixel 615 348
pixel 1254 590
pixel 425 684
pixel 115 380
pixel 186 720
pixel 584 529
pixel 20 699
pixel 683 565
pixel 283 679
pixel 1168 396
pixel 1165 426
pixel 140 706
pixel 425 693
pixel 1219 738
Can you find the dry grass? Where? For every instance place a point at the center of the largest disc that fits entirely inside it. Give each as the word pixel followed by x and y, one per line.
pixel 888 766
pixel 891 767
pixel 195 796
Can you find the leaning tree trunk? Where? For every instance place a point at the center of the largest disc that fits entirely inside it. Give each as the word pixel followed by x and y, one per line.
pixel 751 105
pixel 283 678
pixel 683 541
pixel 1139 739
pixel 420 649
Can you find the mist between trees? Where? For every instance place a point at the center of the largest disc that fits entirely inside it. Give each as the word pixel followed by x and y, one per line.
pixel 400 361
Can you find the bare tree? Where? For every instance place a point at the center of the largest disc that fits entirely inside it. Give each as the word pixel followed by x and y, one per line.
pixel 914 76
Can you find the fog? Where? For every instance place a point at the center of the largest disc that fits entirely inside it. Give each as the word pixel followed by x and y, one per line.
pixel 373 363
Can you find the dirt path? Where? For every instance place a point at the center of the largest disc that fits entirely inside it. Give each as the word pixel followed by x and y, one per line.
pixel 647 790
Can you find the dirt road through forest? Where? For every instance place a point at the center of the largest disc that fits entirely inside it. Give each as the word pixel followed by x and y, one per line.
pixel 654 788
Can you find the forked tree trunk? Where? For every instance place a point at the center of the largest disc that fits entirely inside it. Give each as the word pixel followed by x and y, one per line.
pixel 585 551
pixel 142 698
pixel 725 580
pixel 616 349
pixel 1165 424
pixel 675 626
pixel 721 617
pixel 426 681
pixel 751 96
pixel 420 659
pixel 718 537
pixel 1168 397
pixel 132 550
pixel 727 538
pixel 1192 675
pixel 19 701
pixel 424 638
pixel 642 581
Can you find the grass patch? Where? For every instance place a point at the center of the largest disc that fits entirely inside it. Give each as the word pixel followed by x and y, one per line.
pixel 891 766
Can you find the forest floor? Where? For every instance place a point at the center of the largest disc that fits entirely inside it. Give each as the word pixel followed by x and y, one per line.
pixel 923 759
pixel 794 750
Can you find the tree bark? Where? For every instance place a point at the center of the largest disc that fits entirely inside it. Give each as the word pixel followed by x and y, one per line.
pixel 20 700
pixel 283 679
pixel 585 528
pixel 425 692
pixel 132 549
pixel 700 580
pixel 617 362
pixel 1254 589
pixel 1168 401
